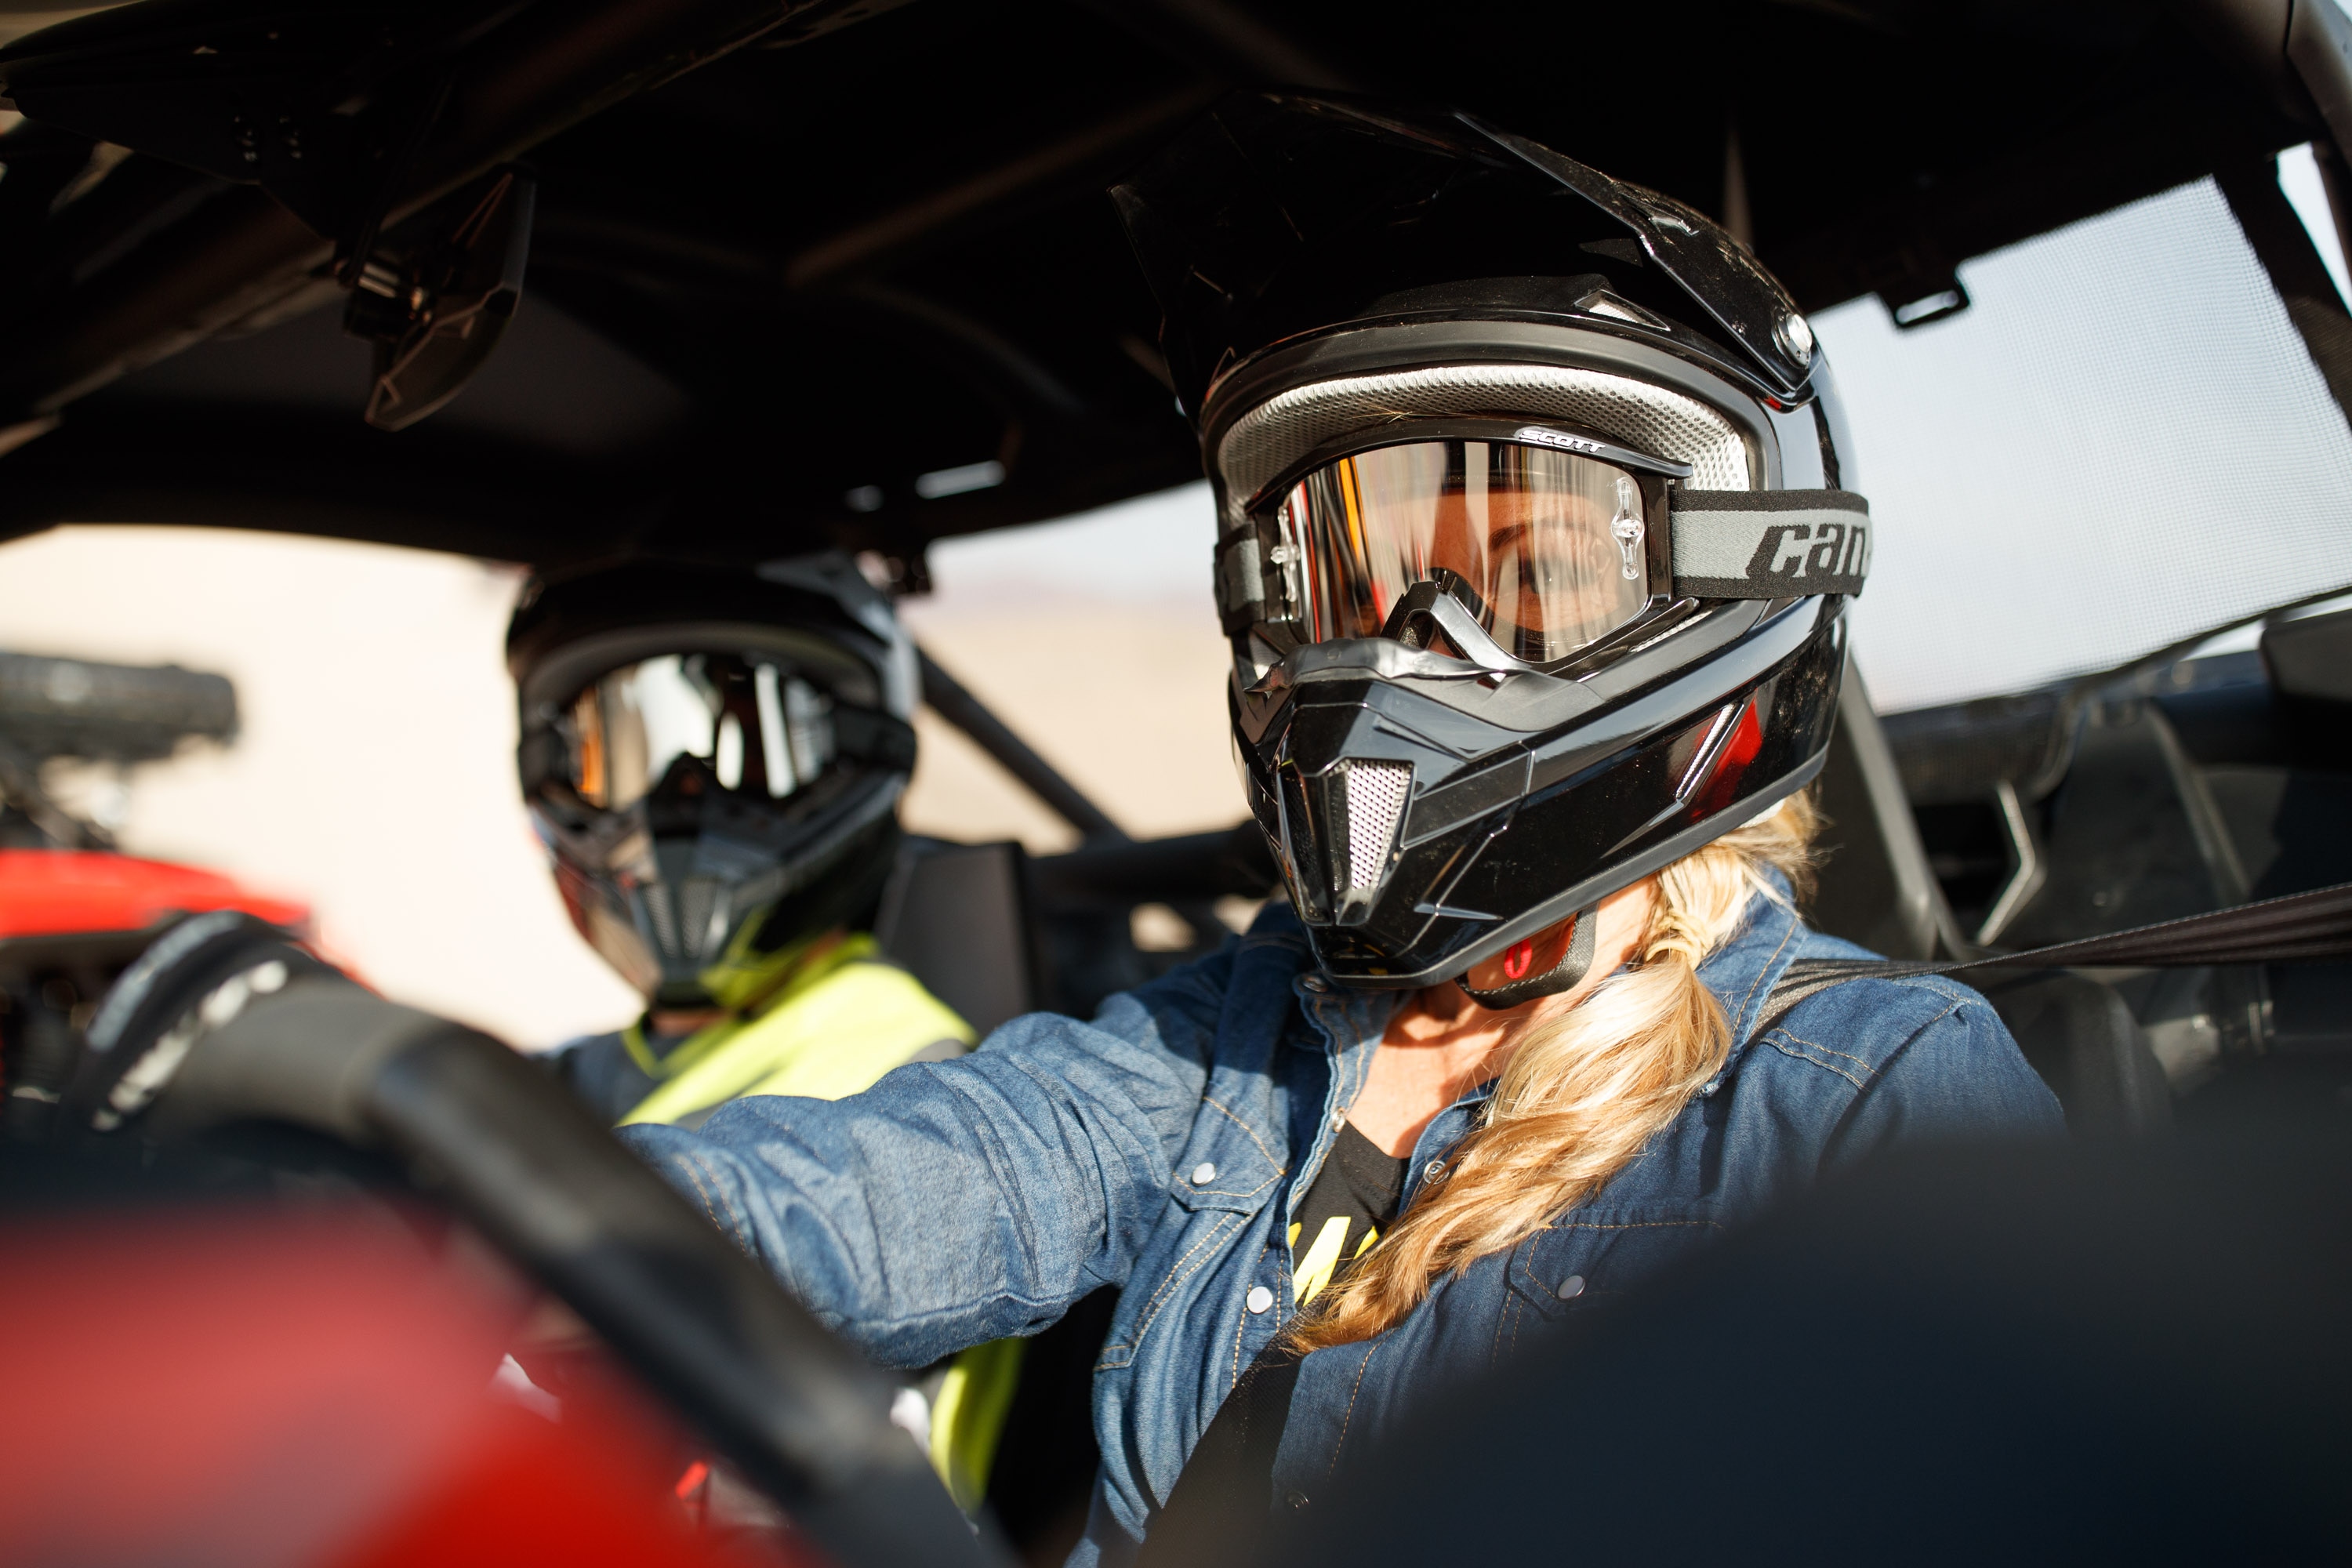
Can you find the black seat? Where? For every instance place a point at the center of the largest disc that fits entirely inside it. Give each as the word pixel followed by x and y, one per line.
pixel 1878 888
pixel 956 917
pixel 2079 1035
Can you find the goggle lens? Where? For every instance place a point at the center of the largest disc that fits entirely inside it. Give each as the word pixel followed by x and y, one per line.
pixel 758 726
pixel 1551 546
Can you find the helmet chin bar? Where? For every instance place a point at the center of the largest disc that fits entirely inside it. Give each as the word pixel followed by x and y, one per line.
pixel 690 885
pixel 1419 835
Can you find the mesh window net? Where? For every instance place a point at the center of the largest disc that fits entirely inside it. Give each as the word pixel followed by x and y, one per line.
pixel 2121 444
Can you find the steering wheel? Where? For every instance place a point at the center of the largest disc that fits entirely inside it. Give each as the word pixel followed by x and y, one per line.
pixel 226 1020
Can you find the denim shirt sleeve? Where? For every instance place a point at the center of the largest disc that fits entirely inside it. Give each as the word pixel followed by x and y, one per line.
pixel 1958 1075
pixel 959 1202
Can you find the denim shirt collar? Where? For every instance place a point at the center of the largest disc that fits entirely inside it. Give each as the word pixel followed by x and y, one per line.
pixel 1743 970
pixel 1345 1023
pixel 1352 1032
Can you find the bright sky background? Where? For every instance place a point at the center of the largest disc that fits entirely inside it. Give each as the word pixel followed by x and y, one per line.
pixel 2122 442
pixel 1154 547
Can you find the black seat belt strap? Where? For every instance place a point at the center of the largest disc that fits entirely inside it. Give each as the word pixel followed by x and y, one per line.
pixel 2298 928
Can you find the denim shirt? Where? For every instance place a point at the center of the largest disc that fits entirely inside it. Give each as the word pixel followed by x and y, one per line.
pixel 1161 1147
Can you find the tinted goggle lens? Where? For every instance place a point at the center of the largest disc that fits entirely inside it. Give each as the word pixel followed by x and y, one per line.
pixel 1550 548
pixel 758 727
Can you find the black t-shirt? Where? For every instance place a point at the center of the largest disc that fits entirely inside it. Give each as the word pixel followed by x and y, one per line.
pixel 1352 1202
pixel 1354 1198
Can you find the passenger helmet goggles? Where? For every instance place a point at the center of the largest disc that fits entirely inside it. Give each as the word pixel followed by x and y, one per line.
pixel 754 722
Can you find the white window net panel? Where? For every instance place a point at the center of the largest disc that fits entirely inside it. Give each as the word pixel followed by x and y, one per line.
pixel 1376 796
pixel 2121 444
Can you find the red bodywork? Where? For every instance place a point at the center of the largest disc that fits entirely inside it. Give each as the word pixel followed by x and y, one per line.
pixel 61 892
pixel 304 1391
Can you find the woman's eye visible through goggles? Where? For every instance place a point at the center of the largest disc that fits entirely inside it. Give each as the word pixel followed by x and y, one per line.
pixel 1548 548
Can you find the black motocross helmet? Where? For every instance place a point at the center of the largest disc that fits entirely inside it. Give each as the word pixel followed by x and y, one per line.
pixel 714 761
pixel 1533 548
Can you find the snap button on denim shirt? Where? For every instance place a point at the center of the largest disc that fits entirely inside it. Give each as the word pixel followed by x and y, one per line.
pixel 959 1202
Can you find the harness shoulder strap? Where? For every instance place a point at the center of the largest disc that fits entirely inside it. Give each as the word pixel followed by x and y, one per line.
pixel 2300 928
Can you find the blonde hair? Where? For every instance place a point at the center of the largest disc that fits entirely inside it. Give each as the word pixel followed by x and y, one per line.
pixel 1583 1090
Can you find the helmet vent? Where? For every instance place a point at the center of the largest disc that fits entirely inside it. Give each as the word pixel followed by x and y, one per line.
pixel 699 900
pixel 665 920
pixel 1376 794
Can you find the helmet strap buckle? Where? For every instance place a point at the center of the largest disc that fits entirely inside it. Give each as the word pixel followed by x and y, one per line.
pixel 1575 962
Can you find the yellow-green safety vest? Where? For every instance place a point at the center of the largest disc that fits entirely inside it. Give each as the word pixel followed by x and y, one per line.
pixel 833 1028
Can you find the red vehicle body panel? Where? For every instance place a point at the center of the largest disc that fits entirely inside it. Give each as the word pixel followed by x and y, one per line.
pixel 271 1390
pixel 61 892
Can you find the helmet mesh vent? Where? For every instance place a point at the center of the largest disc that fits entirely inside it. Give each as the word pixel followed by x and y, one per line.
pixel 665 920
pixel 698 900
pixel 1376 795
pixel 1655 419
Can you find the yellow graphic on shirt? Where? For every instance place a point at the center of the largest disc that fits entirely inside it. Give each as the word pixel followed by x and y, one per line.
pixel 1309 1274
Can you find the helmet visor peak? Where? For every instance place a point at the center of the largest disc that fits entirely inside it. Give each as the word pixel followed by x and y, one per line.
pixel 1550 550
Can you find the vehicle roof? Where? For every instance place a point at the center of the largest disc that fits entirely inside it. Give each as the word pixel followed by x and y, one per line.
pixel 872 243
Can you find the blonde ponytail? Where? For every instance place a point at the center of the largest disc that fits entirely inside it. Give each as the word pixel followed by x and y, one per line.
pixel 1583 1090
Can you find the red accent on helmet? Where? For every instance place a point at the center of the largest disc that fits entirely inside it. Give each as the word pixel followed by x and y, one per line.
pixel 1731 765
pixel 1519 959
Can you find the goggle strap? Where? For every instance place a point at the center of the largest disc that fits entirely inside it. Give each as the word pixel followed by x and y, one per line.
pixel 1240 581
pixel 1768 544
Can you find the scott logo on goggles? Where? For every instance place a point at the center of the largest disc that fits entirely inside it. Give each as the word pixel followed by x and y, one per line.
pixel 1536 434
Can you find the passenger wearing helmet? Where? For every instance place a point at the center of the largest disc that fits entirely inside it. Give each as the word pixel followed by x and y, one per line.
pixel 715 765
pixel 1537 535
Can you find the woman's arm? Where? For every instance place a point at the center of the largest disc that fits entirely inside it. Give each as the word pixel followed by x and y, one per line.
pixel 959 1202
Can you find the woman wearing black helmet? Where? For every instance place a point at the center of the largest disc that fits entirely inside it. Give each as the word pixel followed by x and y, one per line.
pixel 1534 553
